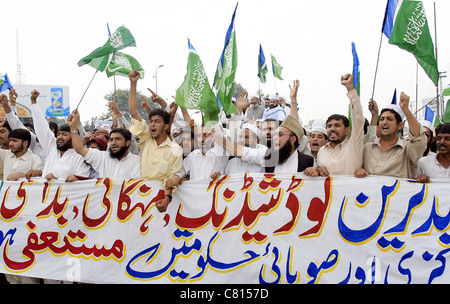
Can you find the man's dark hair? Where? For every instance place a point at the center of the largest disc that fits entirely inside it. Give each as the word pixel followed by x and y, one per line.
pixel 339 117
pixel 22 134
pixel 6 125
pixel 160 112
pixel 29 125
pixel 53 125
pixel 64 128
pixel 125 133
pixel 397 116
pixel 443 128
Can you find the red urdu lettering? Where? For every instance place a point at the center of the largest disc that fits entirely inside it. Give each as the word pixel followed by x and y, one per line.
pixel 9 214
pixel 217 219
pixel 125 208
pixel 292 204
pixel 55 207
pixel 96 223
pixel 317 209
pixel 247 215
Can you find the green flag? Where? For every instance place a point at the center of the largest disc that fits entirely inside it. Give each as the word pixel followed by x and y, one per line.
pixel 122 64
pixel 411 33
pixel 120 39
pixel 276 68
pixel 262 65
pixel 226 70
pixel 100 63
pixel 446 117
pixel 195 92
pixel 446 91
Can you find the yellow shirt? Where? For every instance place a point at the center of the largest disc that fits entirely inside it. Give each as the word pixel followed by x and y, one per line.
pixel 157 162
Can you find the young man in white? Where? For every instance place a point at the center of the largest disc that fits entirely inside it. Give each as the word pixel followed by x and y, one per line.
pixel 117 161
pixel 436 165
pixel 61 161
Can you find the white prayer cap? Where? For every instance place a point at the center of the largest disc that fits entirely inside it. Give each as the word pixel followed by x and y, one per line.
pixel 254 96
pixel 233 99
pixel 274 97
pixel 320 126
pixel 251 127
pixel 397 109
pixel 427 124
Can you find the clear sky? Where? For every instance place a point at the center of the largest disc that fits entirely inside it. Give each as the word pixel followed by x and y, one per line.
pixel 310 39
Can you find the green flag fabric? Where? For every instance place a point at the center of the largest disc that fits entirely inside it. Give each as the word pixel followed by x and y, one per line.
pixel 226 70
pixel 446 117
pixel 262 65
pixel 122 64
pixel 446 91
pixel 120 39
pixel 411 33
pixel 195 92
pixel 276 68
pixel 100 63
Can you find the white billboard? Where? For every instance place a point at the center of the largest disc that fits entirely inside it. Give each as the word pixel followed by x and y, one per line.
pixel 53 100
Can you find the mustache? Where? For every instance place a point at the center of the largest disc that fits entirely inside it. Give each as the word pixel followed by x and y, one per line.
pixel 442 145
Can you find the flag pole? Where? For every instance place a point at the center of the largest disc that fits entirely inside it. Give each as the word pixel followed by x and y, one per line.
pixel 376 68
pixel 436 54
pixel 114 84
pixel 86 89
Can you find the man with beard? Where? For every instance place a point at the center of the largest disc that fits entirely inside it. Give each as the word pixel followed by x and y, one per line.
pixel 390 155
pixel 19 161
pixel 343 154
pixel 207 160
pixel 436 165
pixel 274 110
pixel 283 156
pixel 255 110
pixel 61 161
pixel 117 161
pixel 246 145
pixel 268 128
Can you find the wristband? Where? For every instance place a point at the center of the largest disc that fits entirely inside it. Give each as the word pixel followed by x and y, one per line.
pixel 169 196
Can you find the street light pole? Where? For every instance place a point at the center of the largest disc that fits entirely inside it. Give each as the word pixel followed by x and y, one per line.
pixel 156 78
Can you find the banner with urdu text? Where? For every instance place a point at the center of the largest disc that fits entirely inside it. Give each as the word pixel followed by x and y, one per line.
pixel 243 228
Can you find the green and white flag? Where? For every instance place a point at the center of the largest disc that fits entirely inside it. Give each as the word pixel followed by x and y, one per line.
pixel 98 58
pixel 276 68
pixel 195 92
pixel 411 33
pixel 122 64
pixel 226 70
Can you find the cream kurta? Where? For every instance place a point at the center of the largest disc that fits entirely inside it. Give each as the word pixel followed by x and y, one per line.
pixel 346 157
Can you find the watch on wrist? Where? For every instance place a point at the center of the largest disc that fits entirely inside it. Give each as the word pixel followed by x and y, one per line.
pixel 169 196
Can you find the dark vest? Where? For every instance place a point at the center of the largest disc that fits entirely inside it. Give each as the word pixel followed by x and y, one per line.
pixel 304 161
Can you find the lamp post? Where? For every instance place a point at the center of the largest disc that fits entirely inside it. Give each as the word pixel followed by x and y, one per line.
pixel 156 78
